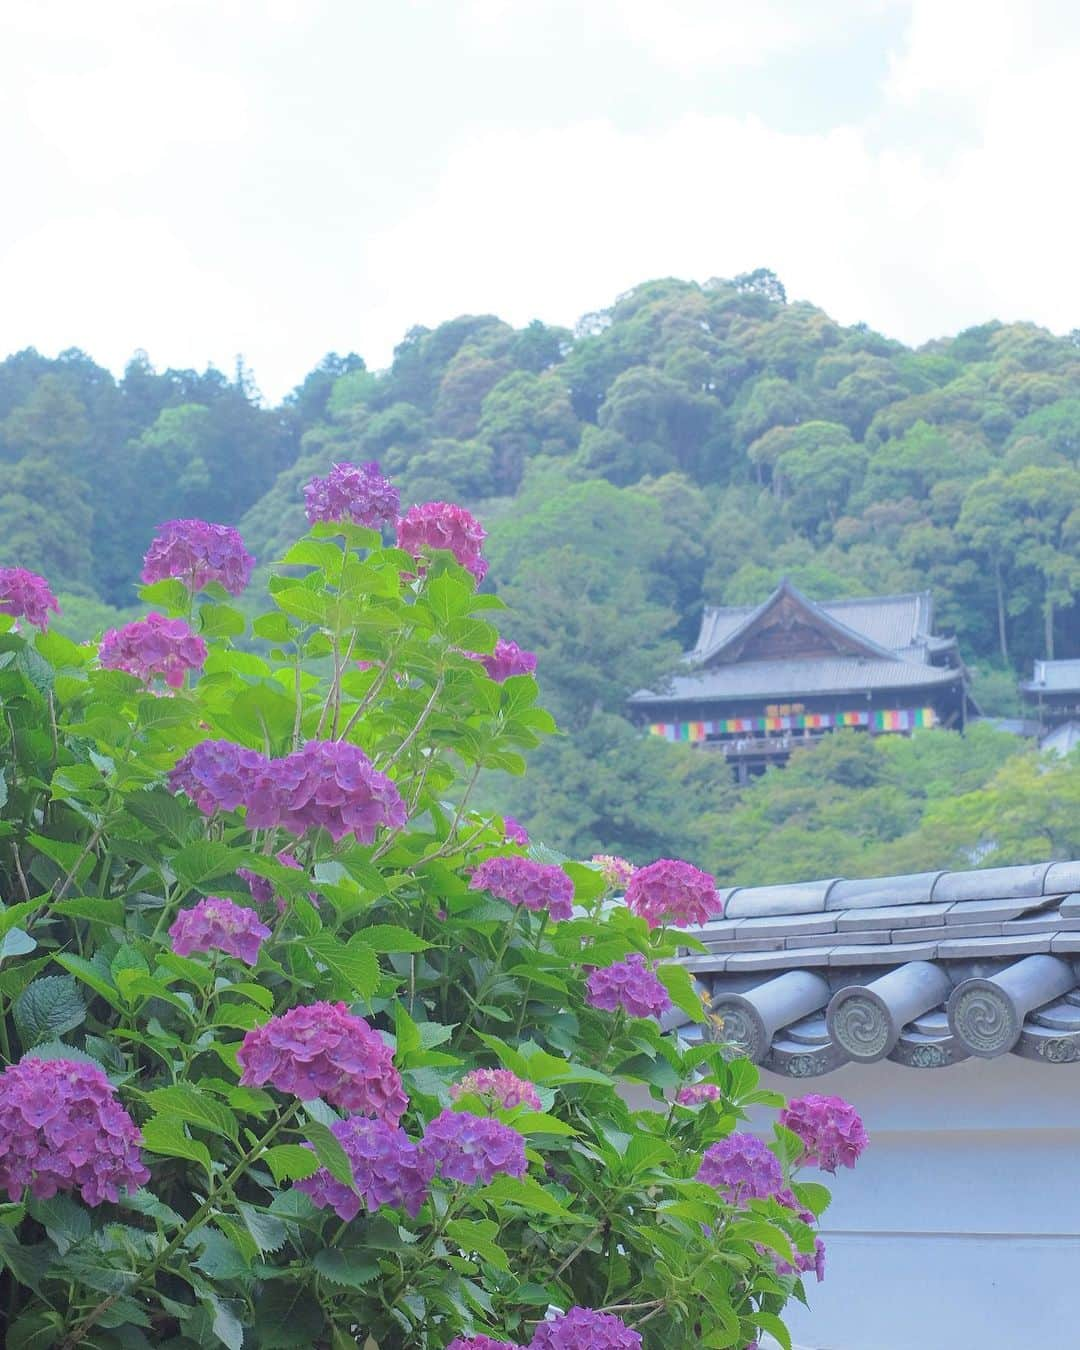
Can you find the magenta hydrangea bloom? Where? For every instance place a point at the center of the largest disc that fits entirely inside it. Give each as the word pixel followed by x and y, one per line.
pixel 25 595
pixel 741 1168
pixel 352 492
pixel 331 784
pixel 217 775
pixel 628 984
pixel 791 1201
pixel 62 1129
pixel 669 891
pixel 502 1089
pixel 616 871
pixel 262 888
pixel 216 924
pixel 520 881
pixel 480 1343
pixel 473 1148
pixel 514 832
pixel 583 1329
pixel 507 659
pixel 388 1168
pixel 441 525
pixel 804 1261
pixel 831 1130
pixel 323 1050
pixel 153 646
pixel 196 553
pixel 697 1094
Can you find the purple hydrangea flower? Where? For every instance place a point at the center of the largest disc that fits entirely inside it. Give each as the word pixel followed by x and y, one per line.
pixel 520 881
pixel 388 1168
pixel 741 1168
pixel 196 553
pixel 628 984
pixel 479 1343
pixel 331 784
pixel 804 1261
pixel 697 1094
pixel 216 924
pixel 616 871
pixel 583 1329
pixel 499 1087
pixel 25 595
pixel 442 525
pixel 62 1129
pixel 831 1130
pixel 669 891
pixel 514 832
pixel 352 492
pixel 217 775
pixel 473 1148
pixel 262 888
pixel 323 1050
pixel 154 646
pixel 507 659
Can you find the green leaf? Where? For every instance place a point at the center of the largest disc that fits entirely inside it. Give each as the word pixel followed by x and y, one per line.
pixel 171 816
pixel 290 1162
pixel 302 604
pixel 479 1237
pixel 388 937
pixel 16 942
pixel 329 1152
pixel 204 860
pixel 14 979
pixel 813 1195
pixel 273 627
pixel 186 1103
pixel 170 595
pixel 14 914
pixel 95 908
pixel 356 963
pixel 225 1320
pixel 763 1232
pixel 352 1269
pixel 64 1220
pixel 523 1191
pixel 772 1324
pixel 287 1316
pixel 89 974
pixel 322 553
pixel 27 1264
pixel 34 1331
pixel 47 1008
pixel 128 957
pixel 267 1232
pixel 220 621
pixel 677 981
pixel 167 1137
pixel 539 1122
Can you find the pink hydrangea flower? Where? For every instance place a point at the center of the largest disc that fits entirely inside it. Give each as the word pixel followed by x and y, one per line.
pixel 583 1329
pixel 473 1149
pixel 323 1050
pixel 197 553
pixel 669 891
pixel 479 1343
pixel 499 1087
pixel 507 659
pixel 831 1130
pixel 62 1129
pixel 327 784
pixel 153 646
pixel 741 1168
pixel 697 1094
pixel 352 492
pixel 616 871
pixel 217 775
pixel 628 984
pixel 216 924
pixel 388 1168
pixel 515 833
pixel 520 881
pixel 25 595
pixel 441 525
pixel 262 888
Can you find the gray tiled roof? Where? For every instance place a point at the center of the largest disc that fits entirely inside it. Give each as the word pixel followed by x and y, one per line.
pixel 762 679
pixel 1053 677
pixel 925 969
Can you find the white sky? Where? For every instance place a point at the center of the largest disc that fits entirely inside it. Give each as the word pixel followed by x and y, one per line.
pixel 280 178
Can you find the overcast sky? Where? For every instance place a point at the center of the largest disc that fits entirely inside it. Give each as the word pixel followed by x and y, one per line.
pixel 280 178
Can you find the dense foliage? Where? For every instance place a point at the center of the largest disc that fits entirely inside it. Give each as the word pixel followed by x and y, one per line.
pixel 299 1048
pixel 687 446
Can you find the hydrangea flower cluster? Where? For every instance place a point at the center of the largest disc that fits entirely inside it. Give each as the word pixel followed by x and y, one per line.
pixel 331 784
pixel 831 1130
pixel 352 492
pixel 669 891
pixel 473 1148
pixel 196 553
pixel 804 1261
pixel 697 1094
pixel 502 1089
pixel 216 924
pixel 323 1050
pixel 25 595
pixel 583 1329
pixel 507 659
pixel 388 1168
pixel 520 881
pixel 479 1343
pixel 628 984
pixel 741 1168
pixel 217 775
pixel 62 1129
pixel 442 525
pixel 616 871
pixel 154 646
pixel 514 832
pixel 262 888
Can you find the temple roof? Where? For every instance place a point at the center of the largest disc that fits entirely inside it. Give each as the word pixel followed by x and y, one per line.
pixel 924 969
pixel 1054 677
pixel 782 679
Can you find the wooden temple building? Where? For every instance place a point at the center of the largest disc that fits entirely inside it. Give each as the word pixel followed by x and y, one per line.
pixel 763 679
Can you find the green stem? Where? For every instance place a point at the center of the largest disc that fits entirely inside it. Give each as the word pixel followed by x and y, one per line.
pixel 528 982
pixel 489 979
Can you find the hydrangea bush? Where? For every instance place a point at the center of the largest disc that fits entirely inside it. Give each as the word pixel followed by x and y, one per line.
pixel 301 1050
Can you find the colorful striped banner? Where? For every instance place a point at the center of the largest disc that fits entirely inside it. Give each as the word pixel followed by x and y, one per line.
pixel 883 719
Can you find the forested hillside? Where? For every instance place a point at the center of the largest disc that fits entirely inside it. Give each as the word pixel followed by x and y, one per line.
pixel 687 446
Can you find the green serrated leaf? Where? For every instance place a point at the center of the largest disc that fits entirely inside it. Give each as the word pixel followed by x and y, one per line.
pixel 204 860
pixel 329 1152
pixel 354 1270
pixel 47 1008
pixel 388 937
pixel 185 1103
pixel 287 1316
pixel 290 1162
pixel 522 1191
pixel 267 1232
pixel 166 1136
pixel 680 986
pixel 356 963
